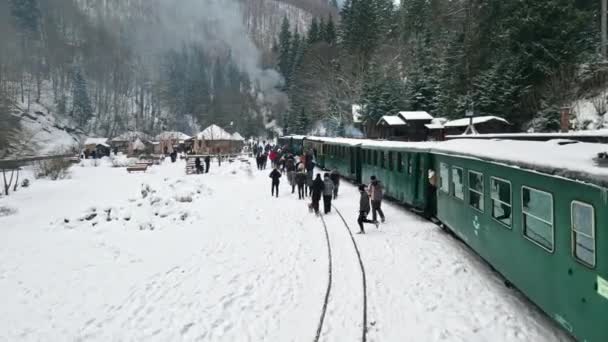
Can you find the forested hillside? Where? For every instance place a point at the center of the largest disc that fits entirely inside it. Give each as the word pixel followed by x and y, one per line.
pixel 104 67
pixel 522 60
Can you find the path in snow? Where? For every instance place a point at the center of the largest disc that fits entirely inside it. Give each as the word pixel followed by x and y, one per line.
pixel 215 258
pixel 423 285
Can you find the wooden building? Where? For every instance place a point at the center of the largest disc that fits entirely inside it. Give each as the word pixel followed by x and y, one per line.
pixel 172 141
pixel 125 142
pixel 100 146
pixel 213 140
pixel 405 126
pixel 482 124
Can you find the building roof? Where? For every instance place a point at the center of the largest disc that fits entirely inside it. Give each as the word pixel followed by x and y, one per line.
pixel 391 120
pixel 238 137
pixel 415 116
pixel 131 136
pixel 138 145
pixel 172 135
pixel 214 132
pixel 97 141
pixel 464 122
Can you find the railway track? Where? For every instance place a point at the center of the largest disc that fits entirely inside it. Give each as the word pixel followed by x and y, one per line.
pixel 330 282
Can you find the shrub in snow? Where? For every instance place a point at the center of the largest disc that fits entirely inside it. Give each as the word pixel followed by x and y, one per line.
pixel 25 183
pixel 184 198
pixel 53 169
pixel 122 161
pixel 6 211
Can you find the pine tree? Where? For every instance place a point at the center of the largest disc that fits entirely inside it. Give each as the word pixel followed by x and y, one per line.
pixel 313 32
pixel 330 36
pixel 81 104
pixel 296 51
pixel 334 3
pixel 285 61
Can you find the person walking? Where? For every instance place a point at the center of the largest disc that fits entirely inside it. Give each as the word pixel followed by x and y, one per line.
pixel 276 176
pixel 300 180
pixel 335 178
pixel 363 209
pixel 207 162
pixel 290 167
pixel 376 193
pixel 316 190
pixel 198 165
pixel 328 192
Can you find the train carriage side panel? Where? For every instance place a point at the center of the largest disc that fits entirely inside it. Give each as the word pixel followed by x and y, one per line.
pixel 538 260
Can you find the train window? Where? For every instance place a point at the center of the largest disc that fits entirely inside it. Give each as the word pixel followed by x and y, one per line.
pixel 399 162
pixel 375 157
pixel 444 177
pixel 583 232
pixel 501 201
pixel 391 164
pixel 457 182
pixel 537 211
pixel 476 190
pixel 382 164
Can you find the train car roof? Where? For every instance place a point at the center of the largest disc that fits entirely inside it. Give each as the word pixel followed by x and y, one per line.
pixel 565 158
pixel 296 137
pixel 341 141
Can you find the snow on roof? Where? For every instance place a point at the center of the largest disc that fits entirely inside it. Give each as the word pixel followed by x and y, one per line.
pixel 214 132
pixel 356 111
pixel 392 120
pixel 572 134
pixel 238 137
pixel 294 137
pixel 476 120
pixel 573 161
pixel 434 126
pixel 131 136
pixel 172 135
pixel 138 145
pixel 413 116
pixel 96 141
pixel 422 146
pixel 343 141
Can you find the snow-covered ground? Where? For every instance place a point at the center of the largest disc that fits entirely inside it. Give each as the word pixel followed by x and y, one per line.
pixel 161 256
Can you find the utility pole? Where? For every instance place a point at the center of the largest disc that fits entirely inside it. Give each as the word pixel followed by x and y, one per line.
pixel 604 27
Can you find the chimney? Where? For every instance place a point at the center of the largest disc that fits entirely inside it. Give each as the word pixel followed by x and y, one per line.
pixel 565 120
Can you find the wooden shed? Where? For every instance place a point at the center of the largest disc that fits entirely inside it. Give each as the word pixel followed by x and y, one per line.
pixel 172 141
pixel 99 146
pixel 482 124
pixel 214 140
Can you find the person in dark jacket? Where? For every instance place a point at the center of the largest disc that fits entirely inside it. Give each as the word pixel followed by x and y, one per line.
pixel 198 165
pixel 207 162
pixel 328 192
pixel 317 190
pixel 276 176
pixel 300 180
pixel 364 208
pixel 290 167
pixel 335 178
pixel 376 193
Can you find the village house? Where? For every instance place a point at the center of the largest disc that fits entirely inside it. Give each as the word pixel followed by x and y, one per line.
pixel 213 140
pixel 482 124
pixel 172 141
pixel 405 126
pixel 100 146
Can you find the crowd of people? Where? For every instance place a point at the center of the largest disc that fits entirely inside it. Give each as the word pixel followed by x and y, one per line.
pixel 299 170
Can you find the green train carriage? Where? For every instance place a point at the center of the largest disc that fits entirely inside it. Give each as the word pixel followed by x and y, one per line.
pixel 541 226
pixel 294 143
pixel 402 168
pixel 343 155
pixel 318 147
